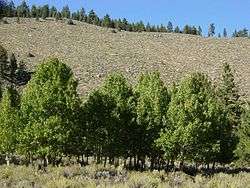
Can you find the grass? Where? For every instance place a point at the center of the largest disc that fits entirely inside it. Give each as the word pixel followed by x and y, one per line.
pixel 98 176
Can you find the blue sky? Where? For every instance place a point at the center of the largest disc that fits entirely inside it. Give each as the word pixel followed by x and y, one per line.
pixel 232 14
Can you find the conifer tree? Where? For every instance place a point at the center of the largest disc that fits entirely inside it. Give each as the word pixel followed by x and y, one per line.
pixel 58 16
pixel 3 60
pixel 211 30
pixel 199 31
pixel 11 10
pixel 235 33
pixel 232 105
pixel 65 12
pixel 23 9
pixel 170 27
pixel 194 31
pixel 125 24
pixel 177 30
pixel 52 12
pixel 230 96
pixel 45 11
pixel 92 18
pixel 13 65
pixel 106 21
pixel 140 26
pixel 187 29
pixel 225 33
pixel 241 33
pixel 148 27
pixel 243 147
pixel 163 28
pixel 82 15
pixel 33 11
pixel 3 6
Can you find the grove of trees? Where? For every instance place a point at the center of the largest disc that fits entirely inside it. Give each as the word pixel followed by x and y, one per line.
pixel 195 121
pixel 8 9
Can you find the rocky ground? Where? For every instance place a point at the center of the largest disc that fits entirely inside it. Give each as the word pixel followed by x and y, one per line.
pixel 93 52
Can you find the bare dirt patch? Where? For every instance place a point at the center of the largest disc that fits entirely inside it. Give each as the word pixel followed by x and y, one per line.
pixel 93 52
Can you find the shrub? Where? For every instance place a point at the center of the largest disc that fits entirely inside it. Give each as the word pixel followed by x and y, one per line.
pixel 70 22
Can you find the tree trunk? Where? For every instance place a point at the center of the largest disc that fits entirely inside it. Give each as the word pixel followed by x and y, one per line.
pixel 125 162
pixel 138 162
pixel 31 160
pixel 181 166
pixel 143 164
pixel 45 161
pixel 213 167
pixel 130 162
pixel 87 160
pixel 196 166
pixel 105 161
pixel 117 162
pixel 135 161
pixel 152 164
pixel 7 159
pixel 168 165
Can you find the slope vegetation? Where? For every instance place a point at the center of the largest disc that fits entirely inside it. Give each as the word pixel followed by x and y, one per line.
pixel 93 52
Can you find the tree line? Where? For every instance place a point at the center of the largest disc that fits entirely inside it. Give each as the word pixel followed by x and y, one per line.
pixel 194 121
pixel 23 10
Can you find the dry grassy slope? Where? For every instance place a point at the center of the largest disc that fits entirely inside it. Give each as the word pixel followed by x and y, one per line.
pixel 93 52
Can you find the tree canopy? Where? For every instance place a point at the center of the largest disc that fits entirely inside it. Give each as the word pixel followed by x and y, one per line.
pixel 49 107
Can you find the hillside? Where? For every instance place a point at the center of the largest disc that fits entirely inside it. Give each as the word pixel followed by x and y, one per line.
pixel 93 52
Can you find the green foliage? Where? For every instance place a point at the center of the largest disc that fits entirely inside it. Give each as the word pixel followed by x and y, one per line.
pixel 108 118
pixel 9 121
pixel 3 54
pixel 49 108
pixel 23 9
pixel 151 106
pixel 93 18
pixel 13 65
pixel 117 89
pixel 3 60
pixel 177 30
pixel 190 122
pixel 99 118
pixel 243 148
pixel 106 21
pixel 211 30
pixel 45 11
pixel 192 30
pixel 231 103
pixel 241 33
pixel 65 12
pixel 200 30
pixel 170 27
pixel 3 5
pixel 34 11
pixel 9 10
pixel 195 120
pixel 225 33
pixel 52 12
